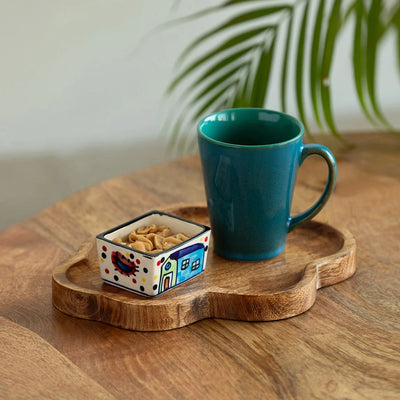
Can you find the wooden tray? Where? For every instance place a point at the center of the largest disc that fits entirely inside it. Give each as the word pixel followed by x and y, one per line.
pixel 316 255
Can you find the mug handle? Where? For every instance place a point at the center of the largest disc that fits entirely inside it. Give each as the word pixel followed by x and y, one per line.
pixel 324 152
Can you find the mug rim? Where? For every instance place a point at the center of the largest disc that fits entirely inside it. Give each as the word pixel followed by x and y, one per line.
pixel 251 146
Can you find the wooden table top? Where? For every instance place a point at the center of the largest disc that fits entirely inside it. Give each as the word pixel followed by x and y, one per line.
pixel 346 346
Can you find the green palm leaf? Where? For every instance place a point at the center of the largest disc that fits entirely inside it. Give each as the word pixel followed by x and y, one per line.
pixel 331 34
pixel 315 64
pixel 359 44
pixel 237 72
pixel 223 63
pixel 252 15
pixel 285 61
pixel 217 100
pixel 214 83
pixel 374 34
pixel 395 21
pixel 300 66
pixel 232 42
pixel 262 75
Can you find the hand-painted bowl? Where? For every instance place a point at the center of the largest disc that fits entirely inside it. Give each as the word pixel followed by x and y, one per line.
pixel 151 274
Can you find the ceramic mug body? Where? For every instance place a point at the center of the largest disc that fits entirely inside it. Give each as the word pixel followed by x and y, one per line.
pixel 250 158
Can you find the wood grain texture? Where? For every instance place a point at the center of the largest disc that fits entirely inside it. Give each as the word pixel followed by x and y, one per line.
pixel 316 255
pixel 345 347
pixel 32 369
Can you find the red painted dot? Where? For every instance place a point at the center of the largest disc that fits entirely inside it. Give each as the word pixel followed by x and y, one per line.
pixel 206 239
pixel 104 248
pixel 158 262
pixel 134 280
pixel 106 271
pixel 137 261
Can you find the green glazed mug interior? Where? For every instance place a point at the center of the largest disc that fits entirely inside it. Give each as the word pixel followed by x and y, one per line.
pixel 250 127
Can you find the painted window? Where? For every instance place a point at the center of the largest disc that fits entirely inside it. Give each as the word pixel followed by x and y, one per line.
pixel 195 264
pixel 167 266
pixel 185 263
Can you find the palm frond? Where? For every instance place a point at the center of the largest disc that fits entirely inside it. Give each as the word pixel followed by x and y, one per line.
pixel 228 44
pixel 300 66
pixel 395 22
pixel 238 70
pixel 375 32
pixel 285 61
pixel 249 16
pixel 330 40
pixel 359 46
pixel 315 65
pixel 262 74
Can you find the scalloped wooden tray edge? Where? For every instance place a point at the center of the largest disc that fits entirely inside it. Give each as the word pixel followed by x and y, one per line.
pixel 129 311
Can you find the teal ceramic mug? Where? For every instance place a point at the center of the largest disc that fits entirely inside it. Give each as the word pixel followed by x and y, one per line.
pixel 250 158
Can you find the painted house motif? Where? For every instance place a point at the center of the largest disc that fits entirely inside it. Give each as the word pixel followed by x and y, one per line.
pixel 181 266
pixel 150 274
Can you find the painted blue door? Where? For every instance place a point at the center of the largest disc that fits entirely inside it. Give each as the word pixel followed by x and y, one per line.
pixel 190 261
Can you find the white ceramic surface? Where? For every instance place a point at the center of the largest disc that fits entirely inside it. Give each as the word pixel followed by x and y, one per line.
pixel 151 274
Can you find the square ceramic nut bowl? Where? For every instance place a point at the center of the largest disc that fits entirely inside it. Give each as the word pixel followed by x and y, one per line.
pixel 151 274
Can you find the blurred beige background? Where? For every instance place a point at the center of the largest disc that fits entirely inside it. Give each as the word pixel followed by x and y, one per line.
pixel 82 87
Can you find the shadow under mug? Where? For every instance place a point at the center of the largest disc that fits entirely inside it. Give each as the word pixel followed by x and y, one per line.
pixel 250 158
